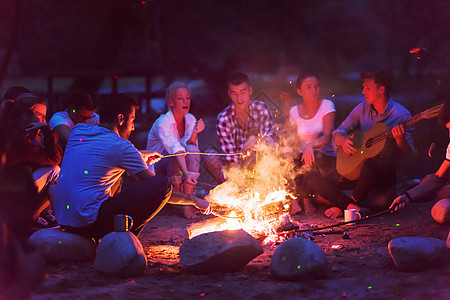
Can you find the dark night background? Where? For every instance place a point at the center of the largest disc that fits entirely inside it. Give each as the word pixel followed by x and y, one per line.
pixel 82 44
pixel 147 44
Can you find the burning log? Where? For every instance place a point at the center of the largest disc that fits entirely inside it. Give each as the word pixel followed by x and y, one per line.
pixel 253 198
pixel 208 225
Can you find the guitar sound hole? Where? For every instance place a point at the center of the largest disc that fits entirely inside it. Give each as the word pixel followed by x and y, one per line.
pixel 369 143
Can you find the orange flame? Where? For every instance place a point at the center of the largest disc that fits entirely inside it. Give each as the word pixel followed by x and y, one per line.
pixel 257 193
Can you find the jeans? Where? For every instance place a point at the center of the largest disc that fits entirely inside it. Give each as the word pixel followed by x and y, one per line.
pixel 169 166
pixel 141 201
pixel 377 178
pixel 46 176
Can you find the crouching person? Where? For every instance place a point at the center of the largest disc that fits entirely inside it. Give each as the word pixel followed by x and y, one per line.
pixel 34 147
pixel 89 194
pixel 432 183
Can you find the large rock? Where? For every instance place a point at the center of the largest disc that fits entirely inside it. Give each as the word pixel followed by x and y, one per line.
pixel 414 254
pixel 220 251
pixel 444 192
pixel 58 246
pixel 441 211
pixel 120 254
pixel 448 240
pixel 298 259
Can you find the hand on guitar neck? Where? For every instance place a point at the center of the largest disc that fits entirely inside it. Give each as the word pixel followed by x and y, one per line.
pixel 355 149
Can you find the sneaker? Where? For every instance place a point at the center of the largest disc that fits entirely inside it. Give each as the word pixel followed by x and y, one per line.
pixel 41 223
pixel 49 216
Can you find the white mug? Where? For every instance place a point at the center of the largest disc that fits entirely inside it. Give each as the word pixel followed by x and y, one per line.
pixel 351 215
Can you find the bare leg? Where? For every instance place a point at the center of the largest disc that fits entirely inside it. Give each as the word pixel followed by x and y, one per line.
pixel 309 206
pixel 189 211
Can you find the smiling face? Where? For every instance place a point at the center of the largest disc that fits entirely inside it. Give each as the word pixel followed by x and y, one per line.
pixel 240 95
pixel 310 89
pixel 180 103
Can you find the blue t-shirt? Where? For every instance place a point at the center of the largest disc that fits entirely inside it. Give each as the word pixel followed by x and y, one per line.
pixel 94 160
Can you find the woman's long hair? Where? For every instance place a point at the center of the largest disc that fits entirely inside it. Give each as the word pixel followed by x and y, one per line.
pixel 11 111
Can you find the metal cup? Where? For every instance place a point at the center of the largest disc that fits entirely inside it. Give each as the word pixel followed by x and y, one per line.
pixel 122 223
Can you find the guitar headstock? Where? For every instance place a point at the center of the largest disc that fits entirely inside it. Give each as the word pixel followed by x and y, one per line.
pixel 431 112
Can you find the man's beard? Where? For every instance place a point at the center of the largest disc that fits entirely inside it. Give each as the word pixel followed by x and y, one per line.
pixel 124 133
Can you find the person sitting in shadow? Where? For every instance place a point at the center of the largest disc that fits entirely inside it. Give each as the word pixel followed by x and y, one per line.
pixel 81 109
pixel 11 94
pixel 430 184
pixel 34 146
pixel 21 267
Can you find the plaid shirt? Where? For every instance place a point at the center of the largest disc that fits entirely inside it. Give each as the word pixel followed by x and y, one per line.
pixel 232 137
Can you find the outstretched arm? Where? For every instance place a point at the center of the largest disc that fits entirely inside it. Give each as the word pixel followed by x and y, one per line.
pixel 178 197
pixel 429 185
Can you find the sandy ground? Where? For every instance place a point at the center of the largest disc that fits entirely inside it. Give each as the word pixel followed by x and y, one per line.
pixel 362 268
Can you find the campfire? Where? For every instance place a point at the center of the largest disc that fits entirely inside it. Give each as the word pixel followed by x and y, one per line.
pixel 254 198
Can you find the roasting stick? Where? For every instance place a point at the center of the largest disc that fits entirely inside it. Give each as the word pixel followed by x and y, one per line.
pixel 203 153
pixel 338 224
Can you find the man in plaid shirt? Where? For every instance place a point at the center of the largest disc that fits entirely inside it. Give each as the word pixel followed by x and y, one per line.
pixel 242 124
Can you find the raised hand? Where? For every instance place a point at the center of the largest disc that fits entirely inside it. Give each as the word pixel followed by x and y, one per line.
pixel 199 126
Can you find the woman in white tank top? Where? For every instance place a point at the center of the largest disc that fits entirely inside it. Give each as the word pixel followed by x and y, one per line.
pixel 313 120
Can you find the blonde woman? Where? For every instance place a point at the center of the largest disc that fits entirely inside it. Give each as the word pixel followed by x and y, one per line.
pixel 176 132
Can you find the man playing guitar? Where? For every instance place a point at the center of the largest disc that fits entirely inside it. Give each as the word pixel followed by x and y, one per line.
pixel 374 188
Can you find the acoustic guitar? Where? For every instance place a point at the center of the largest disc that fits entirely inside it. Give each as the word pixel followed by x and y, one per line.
pixel 370 143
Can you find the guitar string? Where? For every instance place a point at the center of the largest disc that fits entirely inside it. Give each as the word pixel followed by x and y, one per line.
pixel 388 133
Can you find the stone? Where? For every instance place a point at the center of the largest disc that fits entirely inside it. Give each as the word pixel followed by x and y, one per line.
pixel 441 211
pixel 298 259
pixel 120 254
pixel 219 251
pixel 59 246
pixel 448 240
pixel 444 192
pixel 415 254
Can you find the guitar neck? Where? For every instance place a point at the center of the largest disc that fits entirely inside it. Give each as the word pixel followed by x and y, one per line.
pixel 429 113
pixel 408 123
